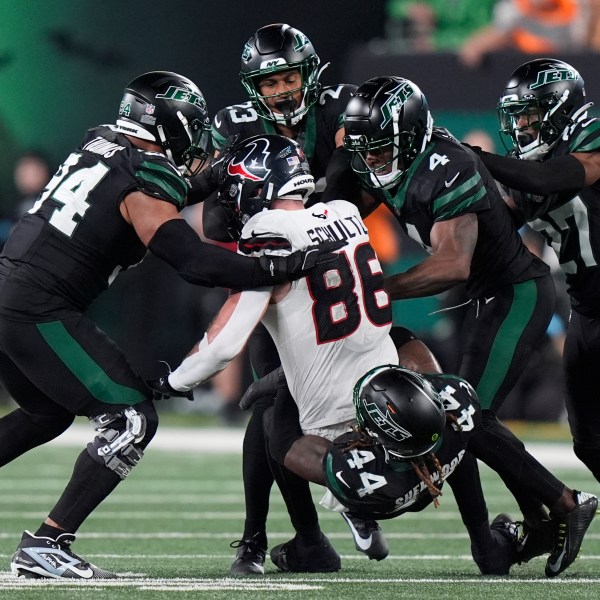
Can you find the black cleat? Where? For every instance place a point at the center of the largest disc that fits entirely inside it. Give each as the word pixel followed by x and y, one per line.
pixel 368 537
pixel 569 530
pixel 499 558
pixel 535 540
pixel 297 557
pixel 39 557
pixel 249 558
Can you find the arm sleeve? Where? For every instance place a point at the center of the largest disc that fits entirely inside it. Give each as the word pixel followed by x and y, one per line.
pixel 226 345
pixel 341 181
pixel 553 176
pixel 200 263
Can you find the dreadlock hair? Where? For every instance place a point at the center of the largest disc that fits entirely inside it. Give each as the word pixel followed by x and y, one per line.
pixel 364 440
pixel 419 464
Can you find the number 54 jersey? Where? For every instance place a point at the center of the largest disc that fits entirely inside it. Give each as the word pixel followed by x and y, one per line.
pixel 374 485
pixel 69 246
pixel 332 326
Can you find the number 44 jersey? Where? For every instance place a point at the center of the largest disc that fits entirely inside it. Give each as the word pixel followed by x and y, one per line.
pixel 66 249
pixel 372 484
pixel 332 326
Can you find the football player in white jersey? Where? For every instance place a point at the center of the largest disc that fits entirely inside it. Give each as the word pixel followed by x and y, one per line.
pixel 329 328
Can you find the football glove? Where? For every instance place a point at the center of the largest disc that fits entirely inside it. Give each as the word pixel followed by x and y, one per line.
pixel 162 389
pixel 297 264
pixel 266 386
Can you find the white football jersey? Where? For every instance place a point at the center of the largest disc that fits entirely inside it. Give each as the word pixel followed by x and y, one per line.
pixel 332 327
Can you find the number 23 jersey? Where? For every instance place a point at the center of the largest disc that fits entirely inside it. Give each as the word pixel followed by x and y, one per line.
pixel 370 483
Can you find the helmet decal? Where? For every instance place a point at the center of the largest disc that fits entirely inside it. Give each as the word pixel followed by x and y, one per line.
pixel 397 97
pixel 182 95
pixel 258 163
pixel 553 76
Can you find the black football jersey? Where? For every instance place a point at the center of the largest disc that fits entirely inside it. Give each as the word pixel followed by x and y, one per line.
pixel 445 181
pixel 318 127
pixel 74 240
pixel 374 485
pixel 571 223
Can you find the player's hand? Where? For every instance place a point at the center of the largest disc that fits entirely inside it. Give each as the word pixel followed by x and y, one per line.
pixel 297 264
pixel 162 389
pixel 266 386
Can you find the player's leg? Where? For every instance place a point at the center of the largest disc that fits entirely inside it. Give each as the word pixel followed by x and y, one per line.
pixel 581 358
pixel 80 369
pixel 257 475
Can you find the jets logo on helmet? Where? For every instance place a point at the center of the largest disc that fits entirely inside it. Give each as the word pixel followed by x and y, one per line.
pixel 182 95
pixel 398 97
pixel 553 76
pixel 385 424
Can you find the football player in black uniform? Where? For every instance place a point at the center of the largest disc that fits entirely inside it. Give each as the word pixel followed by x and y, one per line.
pixel 117 195
pixel 555 188
pixel 280 70
pixel 445 198
pixel 414 433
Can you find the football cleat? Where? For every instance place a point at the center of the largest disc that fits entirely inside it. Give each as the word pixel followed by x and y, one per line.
pixel 368 537
pixel 249 558
pixel 569 530
pixel 38 557
pixel 296 557
pixel 499 557
pixel 535 540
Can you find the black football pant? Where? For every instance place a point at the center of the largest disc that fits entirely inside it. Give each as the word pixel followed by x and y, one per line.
pixel 581 360
pixel 499 334
pixel 258 471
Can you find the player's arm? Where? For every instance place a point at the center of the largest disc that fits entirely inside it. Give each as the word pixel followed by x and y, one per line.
pixel 224 340
pixel 165 234
pixel 453 243
pixel 568 173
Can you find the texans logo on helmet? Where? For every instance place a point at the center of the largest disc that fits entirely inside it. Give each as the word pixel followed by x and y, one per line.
pixel 255 168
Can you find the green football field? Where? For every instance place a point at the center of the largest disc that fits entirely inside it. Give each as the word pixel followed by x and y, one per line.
pixel 166 530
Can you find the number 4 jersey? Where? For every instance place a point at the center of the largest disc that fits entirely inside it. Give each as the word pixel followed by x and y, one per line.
pixel 332 326
pixel 373 485
pixel 66 249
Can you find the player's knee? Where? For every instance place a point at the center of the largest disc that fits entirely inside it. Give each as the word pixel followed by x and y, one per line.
pixel 123 436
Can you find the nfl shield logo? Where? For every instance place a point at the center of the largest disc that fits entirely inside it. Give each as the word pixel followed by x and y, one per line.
pixel 150 108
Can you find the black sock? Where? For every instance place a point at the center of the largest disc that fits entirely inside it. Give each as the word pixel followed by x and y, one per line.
pixel 45 530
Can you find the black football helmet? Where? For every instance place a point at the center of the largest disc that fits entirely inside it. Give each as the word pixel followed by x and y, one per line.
pixel 541 99
pixel 400 410
pixel 258 170
pixel 272 49
pixel 386 114
pixel 168 109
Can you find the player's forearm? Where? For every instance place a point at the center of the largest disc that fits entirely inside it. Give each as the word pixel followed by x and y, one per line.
pixel 432 276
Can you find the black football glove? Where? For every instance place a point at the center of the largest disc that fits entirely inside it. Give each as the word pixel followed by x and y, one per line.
pixel 297 264
pixel 162 389
pixel 266 386
pixel 477 149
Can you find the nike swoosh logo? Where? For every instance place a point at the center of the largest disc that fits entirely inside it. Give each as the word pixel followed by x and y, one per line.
pixel 556 566
pixel 449 183
pixel 488 300
pixel 362 543
pixel 339 476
